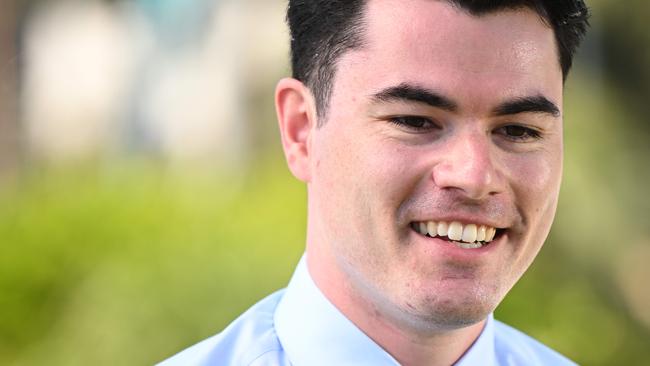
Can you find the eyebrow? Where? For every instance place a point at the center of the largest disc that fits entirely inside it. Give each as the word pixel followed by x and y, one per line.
pixel 533 104
pixel 412 93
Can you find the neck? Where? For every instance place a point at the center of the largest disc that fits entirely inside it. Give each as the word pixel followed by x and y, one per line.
pixel 407 345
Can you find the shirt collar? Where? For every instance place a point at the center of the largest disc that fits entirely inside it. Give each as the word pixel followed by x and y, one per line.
pixel 313 331
pixel 482 351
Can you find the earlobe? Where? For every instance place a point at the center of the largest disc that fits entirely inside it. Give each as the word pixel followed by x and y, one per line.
pixel 294 107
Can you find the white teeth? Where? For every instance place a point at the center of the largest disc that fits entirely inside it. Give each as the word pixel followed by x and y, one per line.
pixel 468 245
pixel 469 233
pixel 489 235
pixel 432 227
pixel 468 236
pixel 480 233
pixel 443 228
pixel 423 228
pixel 455 231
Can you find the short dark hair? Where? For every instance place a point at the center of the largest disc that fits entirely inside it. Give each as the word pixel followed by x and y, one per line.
pixel 322 30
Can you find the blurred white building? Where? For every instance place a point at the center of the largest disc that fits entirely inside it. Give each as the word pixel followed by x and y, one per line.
pixel 78 63
pixel 160 77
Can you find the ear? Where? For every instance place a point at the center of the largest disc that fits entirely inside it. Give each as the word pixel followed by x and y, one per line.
pixel 295 109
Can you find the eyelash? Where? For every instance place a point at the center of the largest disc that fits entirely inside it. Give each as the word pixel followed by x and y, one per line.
pixel 423 124
pixel 415 123
pixel 528 134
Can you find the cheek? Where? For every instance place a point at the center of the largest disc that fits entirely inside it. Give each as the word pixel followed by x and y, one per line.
pixel 535 180
pixel 392 173
pixel 362 181
pixel 341 179
pixel 368 162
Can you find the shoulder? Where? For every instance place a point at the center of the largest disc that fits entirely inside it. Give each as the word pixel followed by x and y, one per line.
pixel 513 347
pixel 250 340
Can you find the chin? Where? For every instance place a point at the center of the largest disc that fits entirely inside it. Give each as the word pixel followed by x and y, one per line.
pixel 455 311
pixel 450 317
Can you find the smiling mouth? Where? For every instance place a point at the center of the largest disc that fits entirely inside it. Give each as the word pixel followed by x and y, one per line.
pixel 465 236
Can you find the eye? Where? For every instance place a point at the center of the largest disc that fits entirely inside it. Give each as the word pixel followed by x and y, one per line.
pixel 415 123
pixel 518 133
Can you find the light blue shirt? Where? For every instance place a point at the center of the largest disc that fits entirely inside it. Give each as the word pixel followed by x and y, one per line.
pixel 299 326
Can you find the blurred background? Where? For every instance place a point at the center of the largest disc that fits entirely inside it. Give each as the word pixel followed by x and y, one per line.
pixel 145 203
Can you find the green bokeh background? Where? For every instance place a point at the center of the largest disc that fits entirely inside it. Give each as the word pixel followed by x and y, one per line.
pixel 127 261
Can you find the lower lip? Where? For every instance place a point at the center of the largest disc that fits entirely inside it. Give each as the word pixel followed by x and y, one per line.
pixel 447 248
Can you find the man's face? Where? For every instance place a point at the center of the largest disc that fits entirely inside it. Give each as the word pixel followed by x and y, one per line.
pixel 440 117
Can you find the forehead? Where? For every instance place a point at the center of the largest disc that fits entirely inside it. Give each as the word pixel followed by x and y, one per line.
pixel 435 44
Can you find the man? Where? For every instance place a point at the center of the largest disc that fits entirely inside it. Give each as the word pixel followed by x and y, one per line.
pixel 429 134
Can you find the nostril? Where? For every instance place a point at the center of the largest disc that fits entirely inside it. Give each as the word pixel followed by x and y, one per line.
pixel 475 184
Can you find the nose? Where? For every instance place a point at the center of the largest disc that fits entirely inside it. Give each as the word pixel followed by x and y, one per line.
pixel 467 166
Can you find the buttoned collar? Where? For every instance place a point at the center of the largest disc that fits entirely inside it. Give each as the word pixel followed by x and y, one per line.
pixel 314 332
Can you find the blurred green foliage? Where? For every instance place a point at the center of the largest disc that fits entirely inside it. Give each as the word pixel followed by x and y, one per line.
pixel 127 265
